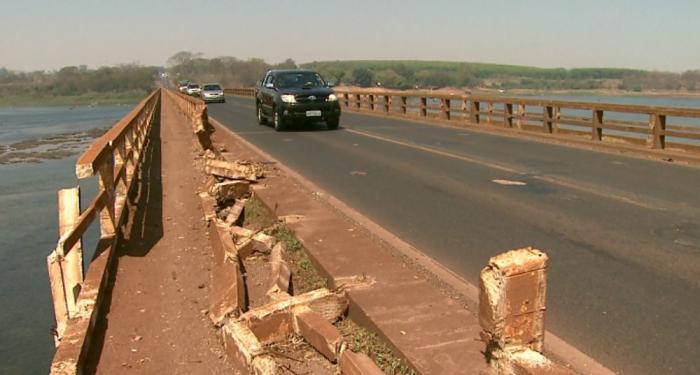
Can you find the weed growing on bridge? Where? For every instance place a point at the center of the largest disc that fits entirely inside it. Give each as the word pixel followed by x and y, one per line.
pixel 362 340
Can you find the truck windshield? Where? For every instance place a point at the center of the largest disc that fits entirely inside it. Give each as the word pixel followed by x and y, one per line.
pixel 299 80
pixel 212 87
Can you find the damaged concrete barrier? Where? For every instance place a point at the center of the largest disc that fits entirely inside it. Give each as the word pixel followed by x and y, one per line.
pixel 281 273
pixel 512 306
pixel 237 170
pixel 358 364
pixel 228 291
pixel 229 191
pixel 318 332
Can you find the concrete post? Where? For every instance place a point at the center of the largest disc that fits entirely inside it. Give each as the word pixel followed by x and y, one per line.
pixel 512 301
pixel 72 264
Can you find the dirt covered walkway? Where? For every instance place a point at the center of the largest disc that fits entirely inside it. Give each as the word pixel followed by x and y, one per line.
pixel 156 322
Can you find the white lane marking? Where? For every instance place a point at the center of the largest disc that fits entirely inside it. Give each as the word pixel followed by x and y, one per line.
pixel 358 173
pixel 509 182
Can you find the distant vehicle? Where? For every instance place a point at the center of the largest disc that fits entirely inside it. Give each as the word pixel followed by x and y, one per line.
pixel 290 96
pixel 212 92
pixel 193 89
pixel 182 86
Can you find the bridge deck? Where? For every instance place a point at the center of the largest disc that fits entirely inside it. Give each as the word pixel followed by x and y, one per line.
pixel 155 323
pixel 622 233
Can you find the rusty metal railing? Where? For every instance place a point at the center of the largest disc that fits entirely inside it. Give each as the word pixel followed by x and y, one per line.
pixel 114 159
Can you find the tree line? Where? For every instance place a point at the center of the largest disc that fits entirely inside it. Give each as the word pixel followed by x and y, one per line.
pixel 79 80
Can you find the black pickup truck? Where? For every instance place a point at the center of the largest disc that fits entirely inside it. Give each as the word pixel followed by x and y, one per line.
pixel 295 96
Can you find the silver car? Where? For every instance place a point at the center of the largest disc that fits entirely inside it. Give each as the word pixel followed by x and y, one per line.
pixel 212 92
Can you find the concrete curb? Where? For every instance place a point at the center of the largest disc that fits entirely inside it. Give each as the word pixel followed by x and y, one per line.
pixel 555 347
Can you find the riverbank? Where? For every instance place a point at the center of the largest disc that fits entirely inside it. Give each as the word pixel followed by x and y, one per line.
pixel 84 99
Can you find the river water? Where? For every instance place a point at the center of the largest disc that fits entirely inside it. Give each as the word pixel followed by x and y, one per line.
pixel 28 217
pixel 28 225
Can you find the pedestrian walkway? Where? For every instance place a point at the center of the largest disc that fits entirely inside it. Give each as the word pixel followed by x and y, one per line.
pixel 156 321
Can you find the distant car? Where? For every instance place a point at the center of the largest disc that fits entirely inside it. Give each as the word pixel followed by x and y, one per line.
pixel 288 96
pixel 182 86
pixel 193 89
pixel 212 92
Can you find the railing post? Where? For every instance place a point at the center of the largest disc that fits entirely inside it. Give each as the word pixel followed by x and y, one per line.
pixel 657 125
pixel 508 115
pixel 465 108
pixel 596 126
pixel 445 107
pixel 489 112
pixel 474 112
pixel 547 118
pixel 358 101
pixel 387 103
pixel 58 294
pixel 72 265
pixel 106 182
pixel 423 106
pixel 346 98
pixel 371 102
pixel 404 105
pixel 521 116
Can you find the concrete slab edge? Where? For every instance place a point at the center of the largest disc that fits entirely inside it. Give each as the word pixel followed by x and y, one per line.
pixel 555 347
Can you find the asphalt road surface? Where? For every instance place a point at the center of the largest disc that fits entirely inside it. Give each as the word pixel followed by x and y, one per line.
pixel 623 234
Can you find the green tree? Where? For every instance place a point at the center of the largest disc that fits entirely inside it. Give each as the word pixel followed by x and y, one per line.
pixel 363 77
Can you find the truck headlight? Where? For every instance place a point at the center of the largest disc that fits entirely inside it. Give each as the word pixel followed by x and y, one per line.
pixel 332 98
pixel 288 98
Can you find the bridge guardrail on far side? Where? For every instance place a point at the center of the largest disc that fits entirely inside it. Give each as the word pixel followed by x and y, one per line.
pixel 240 91
pixel 638 126
pixel 115 159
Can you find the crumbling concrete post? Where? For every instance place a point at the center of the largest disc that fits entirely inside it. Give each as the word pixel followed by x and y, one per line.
pixel 512 304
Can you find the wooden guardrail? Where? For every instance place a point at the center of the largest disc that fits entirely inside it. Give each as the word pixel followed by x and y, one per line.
pixel 637 124
pixel 114 159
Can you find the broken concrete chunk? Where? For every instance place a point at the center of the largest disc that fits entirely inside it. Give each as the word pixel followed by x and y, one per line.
pixel 530 362
pixel 358 364
pixel 241 344
pixel 234 213
pixel 230 190
pixel 272 327
pixel 208 206
pixel 263 242
pixel 264 365
pixel 519 261
pixel 228 291
pixel 238 170
pixel 281 272
pixel 318 332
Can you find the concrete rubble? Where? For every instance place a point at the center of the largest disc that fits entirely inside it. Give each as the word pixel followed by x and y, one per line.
pixel 247 332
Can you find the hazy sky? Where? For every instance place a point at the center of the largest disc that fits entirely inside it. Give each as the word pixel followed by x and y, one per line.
pixel 648 34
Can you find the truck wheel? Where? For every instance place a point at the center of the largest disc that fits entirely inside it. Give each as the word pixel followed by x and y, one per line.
pixel 261 119
pixel 279 124
pixel 332 124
